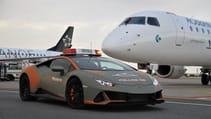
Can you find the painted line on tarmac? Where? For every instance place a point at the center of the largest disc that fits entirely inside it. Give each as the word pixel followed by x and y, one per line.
pixel 207 98
pixel 9 91
pixel 192 104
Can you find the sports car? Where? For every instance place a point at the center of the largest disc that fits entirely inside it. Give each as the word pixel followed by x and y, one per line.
pixel 82 77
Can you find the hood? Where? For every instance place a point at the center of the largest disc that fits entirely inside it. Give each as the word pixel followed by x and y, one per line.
pixel 127 77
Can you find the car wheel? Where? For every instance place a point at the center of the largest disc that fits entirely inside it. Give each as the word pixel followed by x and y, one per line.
pixel 10 78
pixel 24 89
pixel 74 94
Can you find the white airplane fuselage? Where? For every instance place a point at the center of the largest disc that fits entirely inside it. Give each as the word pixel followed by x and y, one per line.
pixel 19 54
pixel 171 40
pixel 8 54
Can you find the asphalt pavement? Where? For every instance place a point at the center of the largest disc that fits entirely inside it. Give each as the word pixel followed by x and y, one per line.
pixel 184 99
pixel 11 107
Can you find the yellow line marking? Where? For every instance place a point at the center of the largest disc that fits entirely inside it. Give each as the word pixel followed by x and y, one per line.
pixel 188 98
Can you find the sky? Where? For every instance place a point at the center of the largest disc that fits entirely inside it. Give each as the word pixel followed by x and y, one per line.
pixel 39 24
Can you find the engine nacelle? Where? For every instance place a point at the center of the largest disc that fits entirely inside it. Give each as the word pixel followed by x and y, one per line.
pixel 170 71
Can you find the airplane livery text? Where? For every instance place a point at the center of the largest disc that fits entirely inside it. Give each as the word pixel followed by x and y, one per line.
pixel 20 53
pixel 197 22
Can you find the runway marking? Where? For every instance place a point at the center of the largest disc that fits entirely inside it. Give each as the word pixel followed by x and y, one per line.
pixel 202 91
pixel 184 103
pixel 208 98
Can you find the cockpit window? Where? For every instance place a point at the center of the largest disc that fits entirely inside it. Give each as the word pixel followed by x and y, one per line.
pixel 153 21
pixel 134 20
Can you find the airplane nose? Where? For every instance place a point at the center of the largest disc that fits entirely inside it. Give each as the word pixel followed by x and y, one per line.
pixel 109 47
pixel 106 46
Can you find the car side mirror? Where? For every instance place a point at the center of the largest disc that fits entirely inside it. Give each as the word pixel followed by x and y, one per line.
pixel 58 69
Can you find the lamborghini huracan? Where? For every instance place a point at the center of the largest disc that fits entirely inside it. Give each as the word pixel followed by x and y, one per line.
pixel 82 77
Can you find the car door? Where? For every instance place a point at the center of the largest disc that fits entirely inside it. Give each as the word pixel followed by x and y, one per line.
pixel 58 70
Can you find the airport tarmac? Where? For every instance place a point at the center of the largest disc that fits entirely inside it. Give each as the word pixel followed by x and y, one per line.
pixel 183 88
pixel 184 99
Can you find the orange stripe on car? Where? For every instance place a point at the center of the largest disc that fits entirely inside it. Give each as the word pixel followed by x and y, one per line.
pixel 34 79
pixel 71 61
pixel 90 102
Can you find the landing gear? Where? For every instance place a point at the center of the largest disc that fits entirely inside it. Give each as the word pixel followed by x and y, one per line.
pixel 205 77
pixel 146 67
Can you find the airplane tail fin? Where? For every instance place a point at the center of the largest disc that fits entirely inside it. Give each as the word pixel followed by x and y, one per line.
pixel 65 41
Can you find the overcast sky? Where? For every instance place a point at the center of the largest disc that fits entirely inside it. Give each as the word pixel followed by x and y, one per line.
pixel 38 24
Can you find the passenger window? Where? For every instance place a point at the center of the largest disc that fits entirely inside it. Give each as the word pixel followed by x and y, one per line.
pixel 202 30
pixel 153 21
pixel 208 31
pixel 134 20
pixel 62 63
pixel 191 28
pixel 197 29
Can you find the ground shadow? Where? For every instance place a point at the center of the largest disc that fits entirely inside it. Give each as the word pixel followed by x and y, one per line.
pixel 107 108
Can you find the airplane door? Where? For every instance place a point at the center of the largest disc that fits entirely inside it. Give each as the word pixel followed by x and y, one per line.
pixel 180 31
pixel 3 71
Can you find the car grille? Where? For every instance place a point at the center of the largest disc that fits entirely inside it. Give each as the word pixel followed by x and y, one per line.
pixel 128 97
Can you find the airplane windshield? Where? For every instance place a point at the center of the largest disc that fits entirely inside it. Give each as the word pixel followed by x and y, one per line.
pixel 153 21
pixel 134 20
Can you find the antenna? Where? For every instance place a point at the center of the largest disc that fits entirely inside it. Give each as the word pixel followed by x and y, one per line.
pixel 91 45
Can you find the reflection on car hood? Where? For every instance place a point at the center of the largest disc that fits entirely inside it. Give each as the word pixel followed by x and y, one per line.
pixel 125 77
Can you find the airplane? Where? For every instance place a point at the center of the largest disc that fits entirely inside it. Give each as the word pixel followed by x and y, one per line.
pixel 163 38
pixel 9 54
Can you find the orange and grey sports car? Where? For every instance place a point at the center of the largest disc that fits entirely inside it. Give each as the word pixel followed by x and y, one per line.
pixel 87 78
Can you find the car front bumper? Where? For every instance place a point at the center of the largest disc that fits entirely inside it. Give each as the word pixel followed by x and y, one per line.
pixel 109 97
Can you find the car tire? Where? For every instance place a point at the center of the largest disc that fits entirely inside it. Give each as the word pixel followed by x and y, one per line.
pixel 10 78
pixel 74 94
pixel 24 89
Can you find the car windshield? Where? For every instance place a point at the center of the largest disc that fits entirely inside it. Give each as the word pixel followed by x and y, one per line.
pixel 100 63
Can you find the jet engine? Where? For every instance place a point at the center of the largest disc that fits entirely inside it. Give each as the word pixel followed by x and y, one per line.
pixel 170 71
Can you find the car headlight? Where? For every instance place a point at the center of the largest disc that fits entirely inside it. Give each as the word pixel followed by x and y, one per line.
pixel 155 81
pixel 105 83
